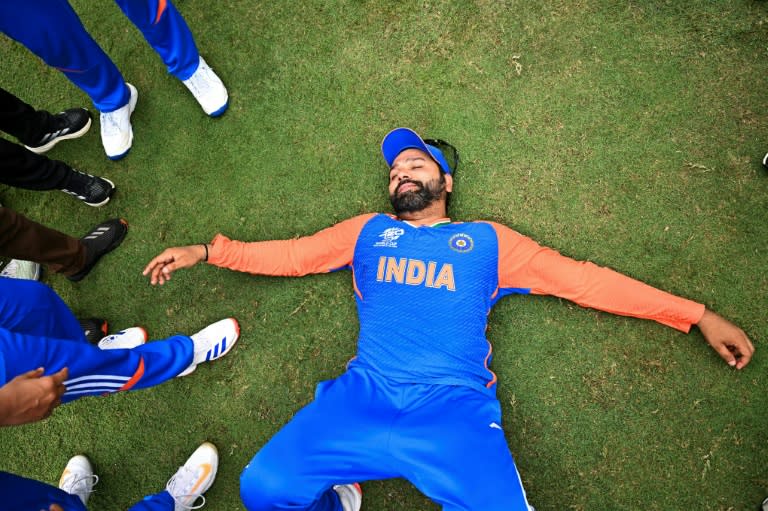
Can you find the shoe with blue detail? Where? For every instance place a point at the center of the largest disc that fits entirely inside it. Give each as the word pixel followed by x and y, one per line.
pixel 213 341
pixel 208 89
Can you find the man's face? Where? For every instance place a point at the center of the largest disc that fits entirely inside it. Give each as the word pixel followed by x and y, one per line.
pixel 415 182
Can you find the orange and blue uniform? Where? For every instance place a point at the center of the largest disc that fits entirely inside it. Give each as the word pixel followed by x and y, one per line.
pixel 418 400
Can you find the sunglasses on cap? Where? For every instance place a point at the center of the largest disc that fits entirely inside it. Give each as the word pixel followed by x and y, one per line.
pixel 450 153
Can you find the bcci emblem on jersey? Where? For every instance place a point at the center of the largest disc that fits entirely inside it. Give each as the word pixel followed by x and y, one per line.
pixel 461 242
pixel 389 237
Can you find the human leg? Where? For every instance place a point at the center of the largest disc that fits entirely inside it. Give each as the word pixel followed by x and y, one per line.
pixel 39 130
pixel 452 448
pixel 32 308
pixel 38 330
pixel 19 119
pixel 23 168
pixel 167 32
pixel 93 371
pixel 22 238
pixel 52 30
pixel 22 494
pixel 339 438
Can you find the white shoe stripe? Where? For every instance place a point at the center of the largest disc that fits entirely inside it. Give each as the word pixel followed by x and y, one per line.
pixel 91 391
pixel 94 384
pixel 97 377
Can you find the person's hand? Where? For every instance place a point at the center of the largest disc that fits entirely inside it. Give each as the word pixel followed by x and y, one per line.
pixel 31 396
pixel 728 340
pixel 55 507
pixel 171 259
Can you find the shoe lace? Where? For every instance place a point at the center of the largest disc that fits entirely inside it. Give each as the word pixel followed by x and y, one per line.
pixel 201 81
pixel 86 186
pixel 114 123
pixel 79 484
pixel 180 488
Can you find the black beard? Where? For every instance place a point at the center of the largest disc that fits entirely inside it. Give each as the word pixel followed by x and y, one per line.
pixel 419 199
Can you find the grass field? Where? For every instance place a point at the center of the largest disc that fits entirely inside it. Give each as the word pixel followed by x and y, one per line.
pixel 626 133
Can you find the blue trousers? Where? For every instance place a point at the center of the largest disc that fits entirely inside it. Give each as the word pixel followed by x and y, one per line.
pixel 446 440
pixel 22 494
pixel 37 329
pixel 52 30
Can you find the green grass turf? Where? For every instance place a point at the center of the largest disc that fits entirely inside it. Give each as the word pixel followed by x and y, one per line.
pixel 627 133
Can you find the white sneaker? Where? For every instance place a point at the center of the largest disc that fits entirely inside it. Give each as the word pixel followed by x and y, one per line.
pixel 116 130
pixel 18 269
pixel 213 341
pixel 194 478
pixel 208 90
pixel 78 478
pixel 124 339
pixel 350 495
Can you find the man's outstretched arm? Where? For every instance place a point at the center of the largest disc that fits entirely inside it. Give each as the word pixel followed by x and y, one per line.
pixel 523 263
pixel 327 250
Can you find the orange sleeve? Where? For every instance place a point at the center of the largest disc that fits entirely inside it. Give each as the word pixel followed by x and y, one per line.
pixel 524 264
pixel 325 251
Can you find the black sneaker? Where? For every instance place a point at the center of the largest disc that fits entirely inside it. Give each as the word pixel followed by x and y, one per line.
pixel 765 164
pixel 93 190
pixel 102 239
pixel 72 123
pixel 95 329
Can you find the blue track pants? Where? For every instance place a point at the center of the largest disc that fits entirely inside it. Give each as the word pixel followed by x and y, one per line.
pixel 444 439
pixel 52 30
pixel 37 329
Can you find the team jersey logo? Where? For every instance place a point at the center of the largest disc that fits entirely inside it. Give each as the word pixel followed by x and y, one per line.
pixel 461 242
pixel 389 237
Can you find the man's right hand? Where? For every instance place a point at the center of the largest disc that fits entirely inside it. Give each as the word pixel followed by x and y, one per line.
pixel 31 396
pixel 171 259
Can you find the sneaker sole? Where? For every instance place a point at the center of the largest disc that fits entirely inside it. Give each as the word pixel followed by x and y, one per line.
pixel 47 147
pixel 220 111
pixel 112 192
pixel 121 155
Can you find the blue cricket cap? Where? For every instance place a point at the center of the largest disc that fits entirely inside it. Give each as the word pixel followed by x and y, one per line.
pixel 400 139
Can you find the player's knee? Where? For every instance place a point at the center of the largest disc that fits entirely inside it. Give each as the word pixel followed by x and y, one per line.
pixel 263 489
